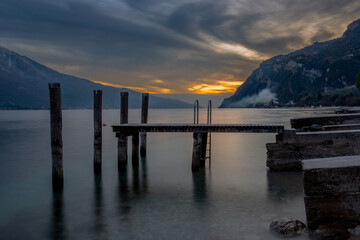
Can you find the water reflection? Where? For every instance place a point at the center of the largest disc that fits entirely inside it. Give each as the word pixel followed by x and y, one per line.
pixel 284 185
pixel 126 193
pixel 57 218
pixel 99 225
pixel 200 194
pixel 123 193
pixel 97 158
pixel 144 173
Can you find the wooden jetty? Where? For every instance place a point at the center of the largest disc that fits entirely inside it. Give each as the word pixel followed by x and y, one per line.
pixel 199 131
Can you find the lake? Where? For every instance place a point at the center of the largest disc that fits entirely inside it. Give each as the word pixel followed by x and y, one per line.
pixel 235 198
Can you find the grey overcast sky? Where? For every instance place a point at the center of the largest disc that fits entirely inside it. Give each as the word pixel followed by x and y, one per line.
pixel 168 46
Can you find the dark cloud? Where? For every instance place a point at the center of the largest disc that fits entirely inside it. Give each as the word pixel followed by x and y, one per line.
pixel 133 42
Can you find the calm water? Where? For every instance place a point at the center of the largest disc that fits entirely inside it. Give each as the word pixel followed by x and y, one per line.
pixel 236 199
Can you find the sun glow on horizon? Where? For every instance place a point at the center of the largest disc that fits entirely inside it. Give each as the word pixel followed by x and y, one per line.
pixel 227 85
pixel 149 89
pixel 219 87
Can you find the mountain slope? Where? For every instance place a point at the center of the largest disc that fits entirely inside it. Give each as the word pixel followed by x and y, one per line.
pixel 308 76
pixel 24 85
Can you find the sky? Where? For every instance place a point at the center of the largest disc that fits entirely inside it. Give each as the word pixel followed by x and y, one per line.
pixel 168 46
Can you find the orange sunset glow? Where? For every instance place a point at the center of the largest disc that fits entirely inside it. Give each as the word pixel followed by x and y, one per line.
pixel 147 89
pixel 220 87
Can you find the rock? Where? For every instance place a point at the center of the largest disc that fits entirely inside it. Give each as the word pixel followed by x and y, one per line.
pixel 355 232
pixel 288 227
pixel 316 127
pixel 331 232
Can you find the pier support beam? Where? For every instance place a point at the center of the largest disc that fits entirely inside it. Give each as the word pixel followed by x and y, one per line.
pixel 122 139
pixel 122 151
pixel 204 137
pixel 196 156
pixel 144 120
pixel 56 136
pixel 97 130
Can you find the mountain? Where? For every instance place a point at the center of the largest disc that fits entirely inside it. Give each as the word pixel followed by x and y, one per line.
pixel 24 85
pixel 322 73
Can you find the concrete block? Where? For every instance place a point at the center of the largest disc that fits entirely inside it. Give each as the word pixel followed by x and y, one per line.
pixel 332 175
pixel 342 210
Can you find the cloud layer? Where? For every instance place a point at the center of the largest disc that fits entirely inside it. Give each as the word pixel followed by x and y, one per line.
pixel 167 45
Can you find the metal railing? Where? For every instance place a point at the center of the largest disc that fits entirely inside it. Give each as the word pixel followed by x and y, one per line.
pixel 196 112
pixel 209 121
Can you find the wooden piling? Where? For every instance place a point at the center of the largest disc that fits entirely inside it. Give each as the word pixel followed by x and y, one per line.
pixel 144 120
pixel 122 151
pixel 135 150
pixel 122 139
pixel 56 136
pixel 97 130
pixel 195 166
pixel 204 138
pixel 124 111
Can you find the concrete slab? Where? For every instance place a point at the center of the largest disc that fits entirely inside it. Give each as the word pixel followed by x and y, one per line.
pixel 332 119
pixel 334 162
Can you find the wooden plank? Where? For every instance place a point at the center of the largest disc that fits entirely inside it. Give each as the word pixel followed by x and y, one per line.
pixel 202 128
pixel 56 136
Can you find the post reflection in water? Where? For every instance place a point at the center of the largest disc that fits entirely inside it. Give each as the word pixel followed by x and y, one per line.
pixel 200 194
pixel 57 218
pixel 123 193
pixel 126 193
pixel 143 174
pixel 136 180
pixel 99 225
pixel 284 185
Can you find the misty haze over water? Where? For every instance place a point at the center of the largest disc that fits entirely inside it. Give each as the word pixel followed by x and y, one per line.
pixel 236 198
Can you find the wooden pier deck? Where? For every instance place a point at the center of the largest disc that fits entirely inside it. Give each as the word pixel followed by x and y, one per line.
pixel 200 136
pixel 198 128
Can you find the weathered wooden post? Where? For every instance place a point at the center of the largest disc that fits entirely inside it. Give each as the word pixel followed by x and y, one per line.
pixel 195 165
pixel 124 109
pixel 122 137
pixel 56 136
pixel 204 137
pixel 144 119
pixel 97 130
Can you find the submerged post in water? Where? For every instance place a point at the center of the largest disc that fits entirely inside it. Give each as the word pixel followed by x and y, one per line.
pixel 56 136
pixel 204 138
pixel 135 150
pixel 144 119
pixel 97 130
pixel 196 156
pixel 122 140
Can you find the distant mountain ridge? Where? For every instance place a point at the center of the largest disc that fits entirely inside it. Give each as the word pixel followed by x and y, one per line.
pixel 317 74
pixel 24 85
